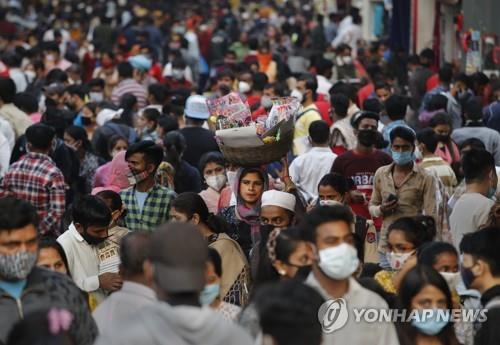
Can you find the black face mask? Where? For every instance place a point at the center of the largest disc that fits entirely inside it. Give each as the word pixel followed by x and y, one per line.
pixel 367 137
pixel 92 240
pixel 302 273
pixel 86 121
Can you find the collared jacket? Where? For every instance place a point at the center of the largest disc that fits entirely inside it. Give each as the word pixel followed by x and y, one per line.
pixel 44 290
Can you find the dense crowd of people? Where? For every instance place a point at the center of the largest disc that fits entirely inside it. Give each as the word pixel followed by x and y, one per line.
pixel 122 222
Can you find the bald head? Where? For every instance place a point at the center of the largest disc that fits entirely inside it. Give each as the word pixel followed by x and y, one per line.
pixel 133 252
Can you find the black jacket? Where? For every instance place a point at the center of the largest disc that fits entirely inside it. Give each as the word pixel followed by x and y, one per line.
pixel 489 333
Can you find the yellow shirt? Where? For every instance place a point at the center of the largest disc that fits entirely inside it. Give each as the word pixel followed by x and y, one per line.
pixel 384 278
pixel 309 115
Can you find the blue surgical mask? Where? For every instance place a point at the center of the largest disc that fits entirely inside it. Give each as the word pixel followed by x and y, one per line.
pixel 403 158
pixel 209 294
pixel 431 321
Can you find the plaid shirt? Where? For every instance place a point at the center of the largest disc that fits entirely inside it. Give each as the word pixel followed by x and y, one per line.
pixel 37 179
pixel 155 211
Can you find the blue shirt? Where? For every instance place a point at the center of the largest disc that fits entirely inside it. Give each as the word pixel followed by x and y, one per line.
pixel 15 289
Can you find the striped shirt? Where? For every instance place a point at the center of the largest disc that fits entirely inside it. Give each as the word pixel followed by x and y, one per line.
pixel 133 87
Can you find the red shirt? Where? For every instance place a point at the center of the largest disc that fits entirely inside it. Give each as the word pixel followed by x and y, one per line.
pixel 432 82
pixel 361 169
pixel 365 92
pixel 324 110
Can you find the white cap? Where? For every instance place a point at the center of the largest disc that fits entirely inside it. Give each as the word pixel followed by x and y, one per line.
pixel 106 115
pixel 280 199
pixel 196 107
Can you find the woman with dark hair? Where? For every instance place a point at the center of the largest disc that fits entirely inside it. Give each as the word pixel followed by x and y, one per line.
pixel 404 237
pixel 244 218
pixel 190 207
pixel 128 102
pixel 52 256
pixel 116 145
pixel 89 118
pixel 76 138
pixel 109 250
pixel 186 178
pixel 443 257
pixel 213 170
pixel 425 294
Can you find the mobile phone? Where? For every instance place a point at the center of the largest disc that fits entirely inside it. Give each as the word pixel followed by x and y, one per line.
pixel 392 197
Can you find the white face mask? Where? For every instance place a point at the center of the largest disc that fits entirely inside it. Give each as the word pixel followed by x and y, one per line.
pixel 216 182
pixel 330 203
pixel 177 74
pixel 397 260
pixel 96 97
pixel 452 279
pixel 338 262
pixel 347 60
pixel 244 87
pixel 297 94
pixel 266 102
pixel 30 75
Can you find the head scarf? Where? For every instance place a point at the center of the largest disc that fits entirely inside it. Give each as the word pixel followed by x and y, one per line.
pixel 118 172
pixel 249 215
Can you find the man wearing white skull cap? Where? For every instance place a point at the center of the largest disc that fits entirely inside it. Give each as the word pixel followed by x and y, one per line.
pixel 277 209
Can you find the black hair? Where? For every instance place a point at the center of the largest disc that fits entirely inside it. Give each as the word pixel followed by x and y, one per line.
pixel 483 244
pixel 215 259
pixel 338 182
pixel 428 54
pixel 168 123
pixel 27 102
pixel 190 203
pixel 311 83
pixel 50 242
pixel 175 145
pixel 477 164
pixel 474 143
pixel 445 74
pixel 77 90
pixel 325 214
pixel 92 106
pixel 226 72
pixel 428 138
pixel 440 119
pixel 418 230
pixel 437 102
pixel 114 140
pixel 373 104
pixel 381 84
pixel 79 133
pixel 211 157
pixel 356 118
pixel 40 136
pixel 288 312
pixel 7 89
pixel 479 78
pixel 404 133
pixel 345 89
pixel 114 199
pixel 413 282
pixel 395 107
pixel 319 131
pixel 473 110
pixel 91 210
pixel 125 69
pixel 151 114
pixel 259 81
pixel 134 251
pixel 250 170
pixel 340 104
pixel 16 214
pixel 323 66
pixel 99 82
pixel 153 154
pixel 34 329
pixel 159 92
pixel 56 75
pixel 429 252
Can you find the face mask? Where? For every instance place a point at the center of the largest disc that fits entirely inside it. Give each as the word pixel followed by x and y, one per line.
pixel 418 154
pixel 96 97
pixel 244 87
pixel 86 121
pixel 443 138
pixel 330 203
pixel 467 276
pixel 30 75
pixel 231 177
pixel 367 137
pixel 73 147
pixel 433 321
pixel 266 102
pixel 17 266
pixel 451 278
pixel 297 94
pixel 403 158
pixel 134 178
pixel 92 240
pixel 302 273
pixel 209 294
pixel 177 74
pixel 338 262
pixel 397 260
pixel 216 182
pixel 347 60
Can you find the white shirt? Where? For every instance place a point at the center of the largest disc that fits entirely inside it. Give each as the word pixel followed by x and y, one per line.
pixel 307 170
pixel 324 85
pixel 4 155
pixel 469 213
pixel 8 132
pixel 357 297
pixel 83 261
pixel 121 304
